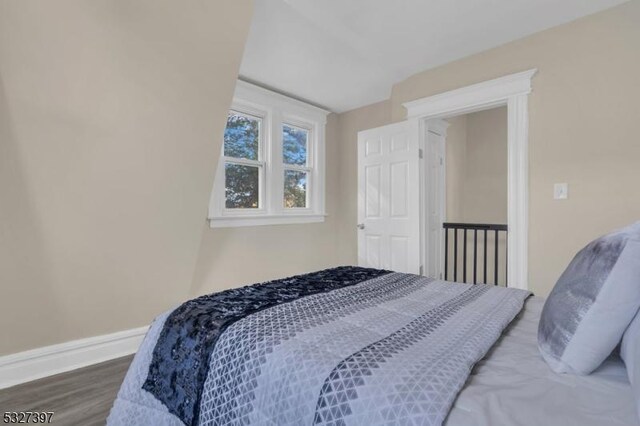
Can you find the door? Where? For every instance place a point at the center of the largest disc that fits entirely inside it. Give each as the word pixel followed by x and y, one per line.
pixel 435 197
pixel 389 197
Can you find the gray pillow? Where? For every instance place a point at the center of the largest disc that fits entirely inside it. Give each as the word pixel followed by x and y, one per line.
pixel 592 303
pixel 630 353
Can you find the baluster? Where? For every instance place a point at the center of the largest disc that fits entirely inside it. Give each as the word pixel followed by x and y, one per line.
pixel 485 229
pixel 485 257
pixel 446 253
pixel 506 259
pixel 495 271
pixel 455 255
pixel 475 256
pixel 464 258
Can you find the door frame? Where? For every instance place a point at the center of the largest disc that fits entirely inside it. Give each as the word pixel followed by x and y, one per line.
pixel 513 92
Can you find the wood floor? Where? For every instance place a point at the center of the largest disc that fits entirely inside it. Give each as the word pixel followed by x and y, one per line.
pixel 79 397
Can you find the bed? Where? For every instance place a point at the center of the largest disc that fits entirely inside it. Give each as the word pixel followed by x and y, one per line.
pixel 360 346
pixel 512 385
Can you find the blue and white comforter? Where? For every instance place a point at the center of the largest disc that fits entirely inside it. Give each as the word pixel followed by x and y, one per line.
pixel 341 346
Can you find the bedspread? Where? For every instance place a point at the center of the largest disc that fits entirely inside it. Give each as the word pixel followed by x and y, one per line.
pixel 342 346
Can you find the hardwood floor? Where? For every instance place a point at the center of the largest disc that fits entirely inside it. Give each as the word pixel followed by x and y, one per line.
pixel 79 397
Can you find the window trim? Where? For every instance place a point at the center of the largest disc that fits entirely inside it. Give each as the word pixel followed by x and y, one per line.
pixel 275 110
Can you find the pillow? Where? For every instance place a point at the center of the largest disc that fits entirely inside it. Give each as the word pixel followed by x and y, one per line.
pixel 592 303
pixel 630 353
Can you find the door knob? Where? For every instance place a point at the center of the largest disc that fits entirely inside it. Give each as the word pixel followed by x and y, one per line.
pixel 360 226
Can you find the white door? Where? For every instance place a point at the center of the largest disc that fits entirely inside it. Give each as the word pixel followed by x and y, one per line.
pixel 435 199
pixel 389 197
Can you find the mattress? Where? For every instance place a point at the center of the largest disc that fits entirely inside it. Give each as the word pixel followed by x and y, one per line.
pixel 512 385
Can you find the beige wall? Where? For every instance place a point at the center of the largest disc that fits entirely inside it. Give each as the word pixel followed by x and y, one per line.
pixel 230 257
pixel 456 158
pixel 485 189
pixel 111 117
pixel 477 167
pixel 583 129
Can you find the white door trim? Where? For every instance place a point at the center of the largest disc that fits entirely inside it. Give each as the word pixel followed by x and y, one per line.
pixel 513 91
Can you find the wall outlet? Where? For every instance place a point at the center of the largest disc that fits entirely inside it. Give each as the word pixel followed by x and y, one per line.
pixel 561 191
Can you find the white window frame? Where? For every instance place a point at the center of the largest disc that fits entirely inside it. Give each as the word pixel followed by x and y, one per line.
pixel 275 110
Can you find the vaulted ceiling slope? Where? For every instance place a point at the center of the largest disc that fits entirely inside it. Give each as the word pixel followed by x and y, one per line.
pixel 343 54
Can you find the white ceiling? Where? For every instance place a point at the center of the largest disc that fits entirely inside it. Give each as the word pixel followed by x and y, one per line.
pixel 342 54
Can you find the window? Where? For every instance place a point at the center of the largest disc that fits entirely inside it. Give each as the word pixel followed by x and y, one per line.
pixel 295 141
pixel 243 168
pixel 271 170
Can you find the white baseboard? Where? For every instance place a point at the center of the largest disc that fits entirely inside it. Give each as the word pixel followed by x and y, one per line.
pixel 49 360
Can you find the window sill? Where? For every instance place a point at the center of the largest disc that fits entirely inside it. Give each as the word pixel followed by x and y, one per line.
pixel 284 219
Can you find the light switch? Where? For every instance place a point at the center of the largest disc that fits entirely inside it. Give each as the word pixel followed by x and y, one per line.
pixel 561 191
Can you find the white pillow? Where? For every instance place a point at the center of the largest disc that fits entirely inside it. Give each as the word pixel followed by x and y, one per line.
pixel 630 353
pixel 592 303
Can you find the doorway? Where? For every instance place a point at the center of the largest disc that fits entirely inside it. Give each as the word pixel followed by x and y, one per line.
pixel 391 196
pixel 513 92
pixel 465 197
